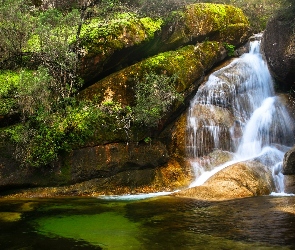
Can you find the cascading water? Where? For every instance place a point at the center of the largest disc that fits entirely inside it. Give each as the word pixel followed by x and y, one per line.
pixel 237 111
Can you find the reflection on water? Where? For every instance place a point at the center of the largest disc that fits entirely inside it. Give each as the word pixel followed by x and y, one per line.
pixel 160 223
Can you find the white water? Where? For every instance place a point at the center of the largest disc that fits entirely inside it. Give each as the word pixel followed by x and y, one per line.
pixel 236 110
pixel 134 196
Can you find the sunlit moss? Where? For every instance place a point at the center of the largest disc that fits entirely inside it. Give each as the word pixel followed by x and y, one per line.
pixel 217 16
pixel 123 31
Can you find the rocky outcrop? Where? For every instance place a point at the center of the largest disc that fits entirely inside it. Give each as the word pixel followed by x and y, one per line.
pixel 279 49
pixel 289 162
pixel 114 168
pixel 240 180
pixel 132 166
pixel 189 64
pixel 125 41
pixel 107 164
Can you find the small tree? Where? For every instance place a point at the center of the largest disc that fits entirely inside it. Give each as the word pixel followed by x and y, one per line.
pixel 16 27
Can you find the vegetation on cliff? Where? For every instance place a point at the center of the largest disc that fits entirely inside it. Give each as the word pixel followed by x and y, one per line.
pixel 42 50
pixel 258 11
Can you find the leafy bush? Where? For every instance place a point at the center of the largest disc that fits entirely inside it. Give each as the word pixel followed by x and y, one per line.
pixel 230 49
pixel 9 82
pixel 155 95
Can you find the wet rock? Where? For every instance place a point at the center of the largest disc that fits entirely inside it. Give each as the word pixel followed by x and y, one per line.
pixel 214 159
pixel 212 127
pixel 289 182
pixel 243 179
pixel 289 162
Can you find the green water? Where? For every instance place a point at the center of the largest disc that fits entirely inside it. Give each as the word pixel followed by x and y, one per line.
pixel 157 223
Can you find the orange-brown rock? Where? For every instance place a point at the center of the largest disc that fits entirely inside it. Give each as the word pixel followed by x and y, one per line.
pixel 240 180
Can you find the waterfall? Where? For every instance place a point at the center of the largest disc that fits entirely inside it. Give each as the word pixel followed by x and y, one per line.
pixel 237 111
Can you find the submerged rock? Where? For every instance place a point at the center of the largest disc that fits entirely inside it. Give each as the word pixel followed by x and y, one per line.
pixel 239 180
pixel 10 216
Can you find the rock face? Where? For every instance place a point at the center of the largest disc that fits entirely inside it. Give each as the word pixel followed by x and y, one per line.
pixel 190 64
pixel 135 38
pixel 107 164
pixel 114 168
pixel 240 180
pixel 279 49
pixel 289 162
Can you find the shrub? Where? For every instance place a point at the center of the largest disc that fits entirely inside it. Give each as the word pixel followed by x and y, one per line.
pixel 155 95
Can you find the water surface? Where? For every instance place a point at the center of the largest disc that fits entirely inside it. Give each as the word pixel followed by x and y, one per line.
pixel 264 222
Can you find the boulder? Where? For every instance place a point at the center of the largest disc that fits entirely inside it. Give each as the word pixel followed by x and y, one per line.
pixel 289 162
pixel 189 63
pixel 208 139
pixel 244 179
pixel 278 45
pixel 129 39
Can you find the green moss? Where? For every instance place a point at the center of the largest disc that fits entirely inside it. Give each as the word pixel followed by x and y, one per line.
pixel 9 80
pixel 187 63
pixel 33 44
pixel 214 16
pixel 151 26
pixel 124 30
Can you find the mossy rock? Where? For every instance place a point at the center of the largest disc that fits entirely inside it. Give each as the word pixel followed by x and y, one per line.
pixel 101 43
pixel 120 43
pixel 213 21
pixel 189 64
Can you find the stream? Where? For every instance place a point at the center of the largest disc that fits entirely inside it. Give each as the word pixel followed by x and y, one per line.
pixel 235 111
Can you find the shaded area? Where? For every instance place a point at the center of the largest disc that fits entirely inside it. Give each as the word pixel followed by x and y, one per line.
pixel 159 223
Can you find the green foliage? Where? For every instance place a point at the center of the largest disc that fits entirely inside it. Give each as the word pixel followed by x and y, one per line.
pixel 155 95
pixel 34 92
pixel 230 49
pixel 101 36
pixel 9 81
pixel 9 85
pixel 42 137
pixel 16 27
pixel 147 140
pixel 151 25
